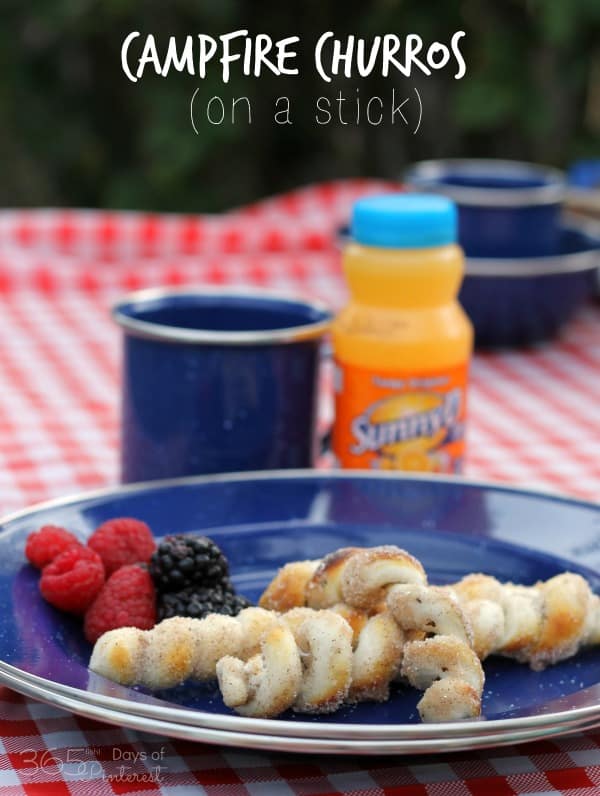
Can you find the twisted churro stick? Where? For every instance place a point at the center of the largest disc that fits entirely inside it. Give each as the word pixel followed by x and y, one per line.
pixel 389 588
pixel 444 665
pixel 450 673
pixel 430 610
pixel 269 682
pixel 539 625
pixel 370 573
pixel 179 648
pixel 324 640
pixel 364 616
pixel 356 576
pixel 265 662
pixel 360 577
pixel 353 581
pixel 376 659
pixel 288 589
pixel 356 582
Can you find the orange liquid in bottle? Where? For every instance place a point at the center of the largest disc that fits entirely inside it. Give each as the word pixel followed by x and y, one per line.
pixel 402 345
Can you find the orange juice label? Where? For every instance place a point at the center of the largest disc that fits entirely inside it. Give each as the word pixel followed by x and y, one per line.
pixel 389 420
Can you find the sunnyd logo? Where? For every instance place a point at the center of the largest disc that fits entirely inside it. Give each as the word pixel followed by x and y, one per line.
pixel 405 417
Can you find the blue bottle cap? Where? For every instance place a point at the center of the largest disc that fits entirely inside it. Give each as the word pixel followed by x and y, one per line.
pixel 404 221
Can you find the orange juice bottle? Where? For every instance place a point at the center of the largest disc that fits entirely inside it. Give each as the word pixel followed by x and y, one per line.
pixel 402 345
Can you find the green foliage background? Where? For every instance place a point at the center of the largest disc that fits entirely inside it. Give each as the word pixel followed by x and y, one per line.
pixel 74 131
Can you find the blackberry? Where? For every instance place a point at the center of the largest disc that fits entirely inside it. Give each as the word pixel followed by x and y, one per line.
pixel 198 602
pixel 182 561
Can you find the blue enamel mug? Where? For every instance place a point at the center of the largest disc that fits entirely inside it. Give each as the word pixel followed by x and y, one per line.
pixel 506 208
pixel 218 380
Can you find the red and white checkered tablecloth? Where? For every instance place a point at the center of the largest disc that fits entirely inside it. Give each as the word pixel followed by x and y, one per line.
pixel 534 419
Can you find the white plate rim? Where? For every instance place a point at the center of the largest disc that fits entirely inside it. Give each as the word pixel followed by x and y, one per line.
pixel 277 743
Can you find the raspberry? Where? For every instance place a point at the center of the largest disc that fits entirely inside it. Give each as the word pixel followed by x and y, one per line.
pixel 44 545
pixel 122 541
pixel 72 581
pixel 126 600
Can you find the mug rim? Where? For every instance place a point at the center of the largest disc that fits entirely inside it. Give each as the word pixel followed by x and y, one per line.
pixel 426 175
pixel 174 334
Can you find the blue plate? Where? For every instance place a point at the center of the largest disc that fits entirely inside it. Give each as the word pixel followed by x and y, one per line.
pixel 263 520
